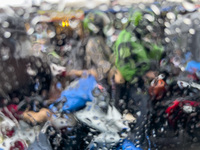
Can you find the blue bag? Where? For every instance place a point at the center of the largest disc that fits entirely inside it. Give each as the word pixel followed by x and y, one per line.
pixel 193 66
pixel 128 145
pixel 76 95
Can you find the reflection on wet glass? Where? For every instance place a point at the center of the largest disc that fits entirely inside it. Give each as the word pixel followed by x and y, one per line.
pixel 100 75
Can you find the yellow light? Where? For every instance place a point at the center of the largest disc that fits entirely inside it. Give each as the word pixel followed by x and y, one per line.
pixel 63 23
pixel 67 23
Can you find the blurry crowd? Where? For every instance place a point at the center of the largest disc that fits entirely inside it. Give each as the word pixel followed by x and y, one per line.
pixel 91 79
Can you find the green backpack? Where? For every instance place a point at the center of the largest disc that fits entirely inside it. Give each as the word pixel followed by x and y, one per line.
pixel 131 57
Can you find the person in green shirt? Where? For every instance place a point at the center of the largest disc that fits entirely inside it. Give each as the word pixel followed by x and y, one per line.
pixel 137 54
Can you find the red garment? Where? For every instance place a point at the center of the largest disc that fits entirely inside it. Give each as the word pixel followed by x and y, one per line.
pixel 13 109
pixel 18 144
pixel 175 111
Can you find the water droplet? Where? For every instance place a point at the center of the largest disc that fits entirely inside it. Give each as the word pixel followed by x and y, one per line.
pixel 46 6
pixel 30 31
pixel 5 24
pixel 167 39
pixel 119 15
pixel 124 20
pixel 149 17
pixel 192 31
pixel 20 12
pixel 138 113
pixel 178 30
pixel 197 21
pixel 150 28
pixel 188 6
pixel 103 7
pixel 116 8
pixel 171 16
pixel 60 42
pixel 187 21
pixel 155 9
pixel 26 15
pixel 167 24
pixel 7 34
pixel 160 21
pixel 167 31
pixel 141 6
pixel 74 24
pixel 195 139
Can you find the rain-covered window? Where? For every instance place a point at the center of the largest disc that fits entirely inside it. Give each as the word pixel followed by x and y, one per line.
pixel 99 75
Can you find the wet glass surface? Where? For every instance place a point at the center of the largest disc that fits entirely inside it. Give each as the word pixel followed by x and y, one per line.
pixel 99 75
